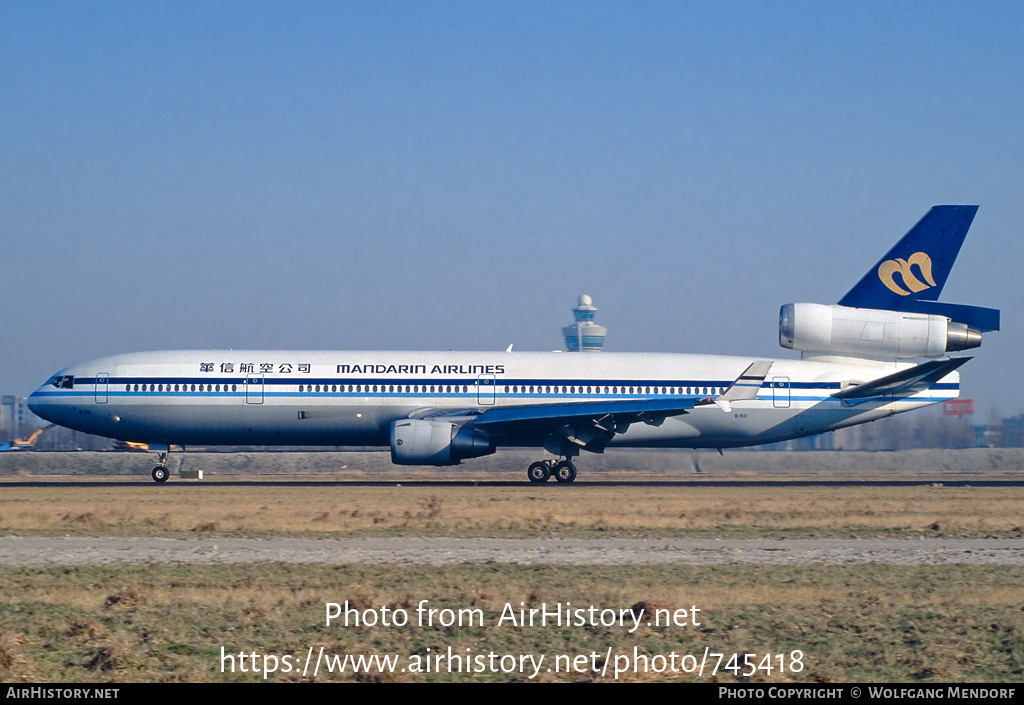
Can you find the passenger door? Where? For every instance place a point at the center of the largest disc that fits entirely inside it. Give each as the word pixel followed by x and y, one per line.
pixel 253 389
pixel 485 390
pixel 102 387
pixel 780 392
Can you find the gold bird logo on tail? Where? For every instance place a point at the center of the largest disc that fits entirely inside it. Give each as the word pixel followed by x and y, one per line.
pixel 889 268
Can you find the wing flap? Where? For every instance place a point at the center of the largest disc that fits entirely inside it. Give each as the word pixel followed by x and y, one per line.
pixel 585 425
pixel 636 408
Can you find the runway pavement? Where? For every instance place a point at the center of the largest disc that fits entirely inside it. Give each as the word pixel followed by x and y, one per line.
pixel 35 551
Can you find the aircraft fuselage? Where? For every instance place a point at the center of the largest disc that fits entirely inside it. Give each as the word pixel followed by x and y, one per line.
pixel 218 397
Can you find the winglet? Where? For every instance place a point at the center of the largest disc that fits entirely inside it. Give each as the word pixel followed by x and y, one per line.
pixel 746 386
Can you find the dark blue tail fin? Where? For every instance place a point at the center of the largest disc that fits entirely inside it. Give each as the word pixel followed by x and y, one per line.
pixel 918 265
pixel 911 275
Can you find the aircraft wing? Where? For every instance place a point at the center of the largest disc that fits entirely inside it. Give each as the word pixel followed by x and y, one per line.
pixel 588 425
pixel 592 424
pixel 746 386
pixel 904 383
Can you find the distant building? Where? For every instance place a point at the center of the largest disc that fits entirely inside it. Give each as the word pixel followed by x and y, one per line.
pixel 584 335
pixel 13 414
pixel 1011 432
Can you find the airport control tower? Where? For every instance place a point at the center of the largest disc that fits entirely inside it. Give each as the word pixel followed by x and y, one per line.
pixel 584 335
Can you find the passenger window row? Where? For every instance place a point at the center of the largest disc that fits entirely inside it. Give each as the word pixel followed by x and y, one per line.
pixel 439 389
pixel 555 389
pixel 385 388
pixel 180 388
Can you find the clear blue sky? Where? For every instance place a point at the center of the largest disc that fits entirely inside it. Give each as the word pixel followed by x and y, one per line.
pixel 434 175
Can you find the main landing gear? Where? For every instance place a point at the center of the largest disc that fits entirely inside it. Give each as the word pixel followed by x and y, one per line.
pixel 562 470
pixel 160 472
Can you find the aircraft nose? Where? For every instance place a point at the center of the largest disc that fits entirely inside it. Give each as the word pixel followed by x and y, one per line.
pixel 37 404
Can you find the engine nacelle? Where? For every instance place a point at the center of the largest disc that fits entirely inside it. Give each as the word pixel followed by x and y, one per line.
pixel 839 330
pixel 419 442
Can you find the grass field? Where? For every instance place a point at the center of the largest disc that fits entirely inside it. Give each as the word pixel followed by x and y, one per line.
pixel 848 623
pixel 495 511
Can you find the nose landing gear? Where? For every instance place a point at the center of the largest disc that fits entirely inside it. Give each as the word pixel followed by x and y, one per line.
pixel 160 472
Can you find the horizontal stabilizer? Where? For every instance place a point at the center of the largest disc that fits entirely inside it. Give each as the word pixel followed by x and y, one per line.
pixel 979 318
pixel 903 383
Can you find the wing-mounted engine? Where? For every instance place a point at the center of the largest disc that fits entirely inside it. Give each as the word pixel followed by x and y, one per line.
pixel 424 442
pixel 840 330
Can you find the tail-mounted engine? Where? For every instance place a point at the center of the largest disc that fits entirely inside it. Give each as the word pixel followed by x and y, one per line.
pixel 840 330
pixel 419 442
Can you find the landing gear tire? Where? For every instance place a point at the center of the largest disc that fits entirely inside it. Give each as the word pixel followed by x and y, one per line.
pixel 160 474
pixel 539 472
pixel 565 472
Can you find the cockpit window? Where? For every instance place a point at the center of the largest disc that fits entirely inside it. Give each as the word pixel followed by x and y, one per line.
pixel 62 381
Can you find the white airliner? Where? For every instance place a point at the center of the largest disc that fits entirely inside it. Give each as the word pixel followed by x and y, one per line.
pixel 438 408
